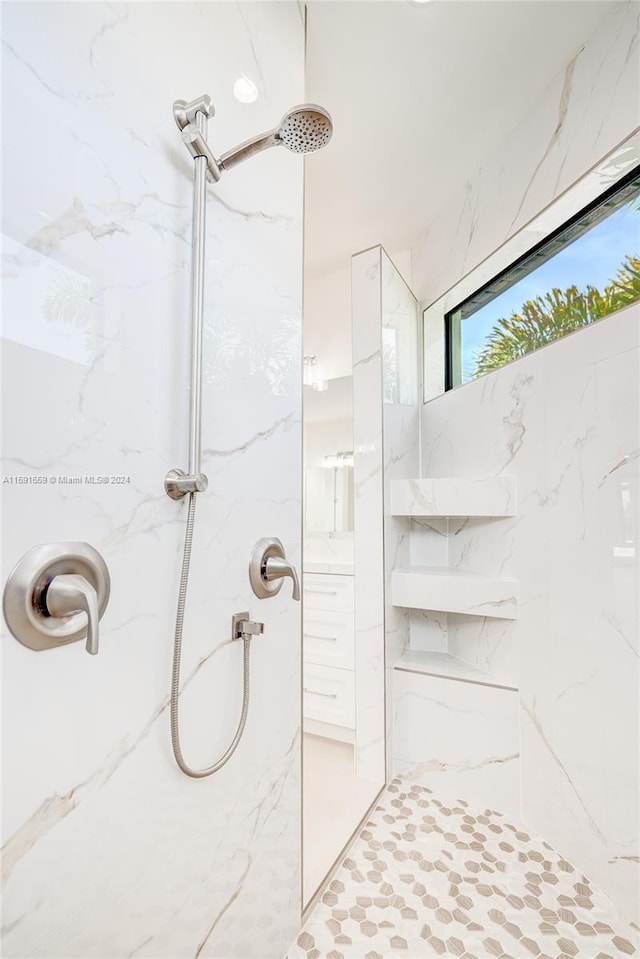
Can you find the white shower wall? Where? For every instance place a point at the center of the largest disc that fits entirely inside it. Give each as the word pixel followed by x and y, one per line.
pixel 386 426
pixel 109 850
pixel 565 423
pixel 585 112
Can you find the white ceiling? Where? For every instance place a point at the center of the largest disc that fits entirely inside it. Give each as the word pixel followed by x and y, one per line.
pixel 420 94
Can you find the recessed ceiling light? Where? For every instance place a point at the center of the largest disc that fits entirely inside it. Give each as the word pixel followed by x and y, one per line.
pixel 245 90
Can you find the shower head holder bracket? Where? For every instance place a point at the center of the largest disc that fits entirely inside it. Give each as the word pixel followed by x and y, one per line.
pixel 191 119
pixel 185 113
pixel 177 483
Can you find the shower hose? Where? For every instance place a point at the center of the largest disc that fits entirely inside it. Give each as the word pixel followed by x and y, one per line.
pixel 175 674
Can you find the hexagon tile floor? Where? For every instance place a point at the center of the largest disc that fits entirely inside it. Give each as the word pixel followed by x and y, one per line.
pixel 425 879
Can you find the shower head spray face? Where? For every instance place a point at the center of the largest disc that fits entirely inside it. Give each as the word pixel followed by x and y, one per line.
pixel 304 129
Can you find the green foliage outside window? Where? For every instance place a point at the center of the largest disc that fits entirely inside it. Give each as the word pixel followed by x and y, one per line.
pixel 551 316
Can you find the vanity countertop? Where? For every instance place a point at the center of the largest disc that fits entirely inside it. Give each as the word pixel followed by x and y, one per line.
pixel 336 569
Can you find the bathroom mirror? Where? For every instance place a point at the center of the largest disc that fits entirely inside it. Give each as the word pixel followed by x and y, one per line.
pixel 328 498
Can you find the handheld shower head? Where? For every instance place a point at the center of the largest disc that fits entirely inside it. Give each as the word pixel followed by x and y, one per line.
pixel 303 129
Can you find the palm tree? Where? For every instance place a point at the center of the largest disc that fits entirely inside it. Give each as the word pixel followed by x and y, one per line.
pixel 553 315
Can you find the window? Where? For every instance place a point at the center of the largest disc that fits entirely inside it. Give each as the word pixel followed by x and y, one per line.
pixel 584 271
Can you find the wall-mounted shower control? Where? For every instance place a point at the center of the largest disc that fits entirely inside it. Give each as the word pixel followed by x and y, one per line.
pixel 56 595
pixel 268 567
pixel 244 628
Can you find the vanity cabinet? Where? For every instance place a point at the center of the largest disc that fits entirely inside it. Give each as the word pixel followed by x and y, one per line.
pixel 329 655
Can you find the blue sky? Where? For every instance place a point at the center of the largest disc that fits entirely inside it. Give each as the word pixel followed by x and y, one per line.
pixel 592 258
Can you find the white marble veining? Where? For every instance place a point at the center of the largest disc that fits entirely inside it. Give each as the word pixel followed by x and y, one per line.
pixel 566 422
pixel 428 546
pixel 613 167
pixel 457 496
pixel 368 516
pixel 401 449
pixel 454 591
pixel 586 112
pixel 458 738
pixel 98 822
pixel 386 431
pixel 429 663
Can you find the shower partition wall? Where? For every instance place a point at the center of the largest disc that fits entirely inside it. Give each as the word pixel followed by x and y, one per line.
pixel 552 736
pixel 565 428
pixel 99 821
pixel 386 404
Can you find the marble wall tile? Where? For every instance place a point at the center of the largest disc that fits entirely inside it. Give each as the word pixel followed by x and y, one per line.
pixel 566 422
pixel 429 546
pixel 401 448
pixel 586 111
pixel 459 739
pixel 368 515
pixel 98 822
pixel 457 496
pixel 386 434
pixel 457 591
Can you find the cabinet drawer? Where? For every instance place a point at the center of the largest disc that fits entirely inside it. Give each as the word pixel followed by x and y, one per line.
pixel 328 638
pixel 329 695
pixel 322 591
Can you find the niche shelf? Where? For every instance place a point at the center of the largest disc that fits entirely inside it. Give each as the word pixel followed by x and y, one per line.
pixel 454 591
pixel 445 666
pixel 492 496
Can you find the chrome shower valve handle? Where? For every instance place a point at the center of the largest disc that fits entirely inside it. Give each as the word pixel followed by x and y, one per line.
pixel 68 594
pixel 276 569
pixel 56 595
pixel 268 567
